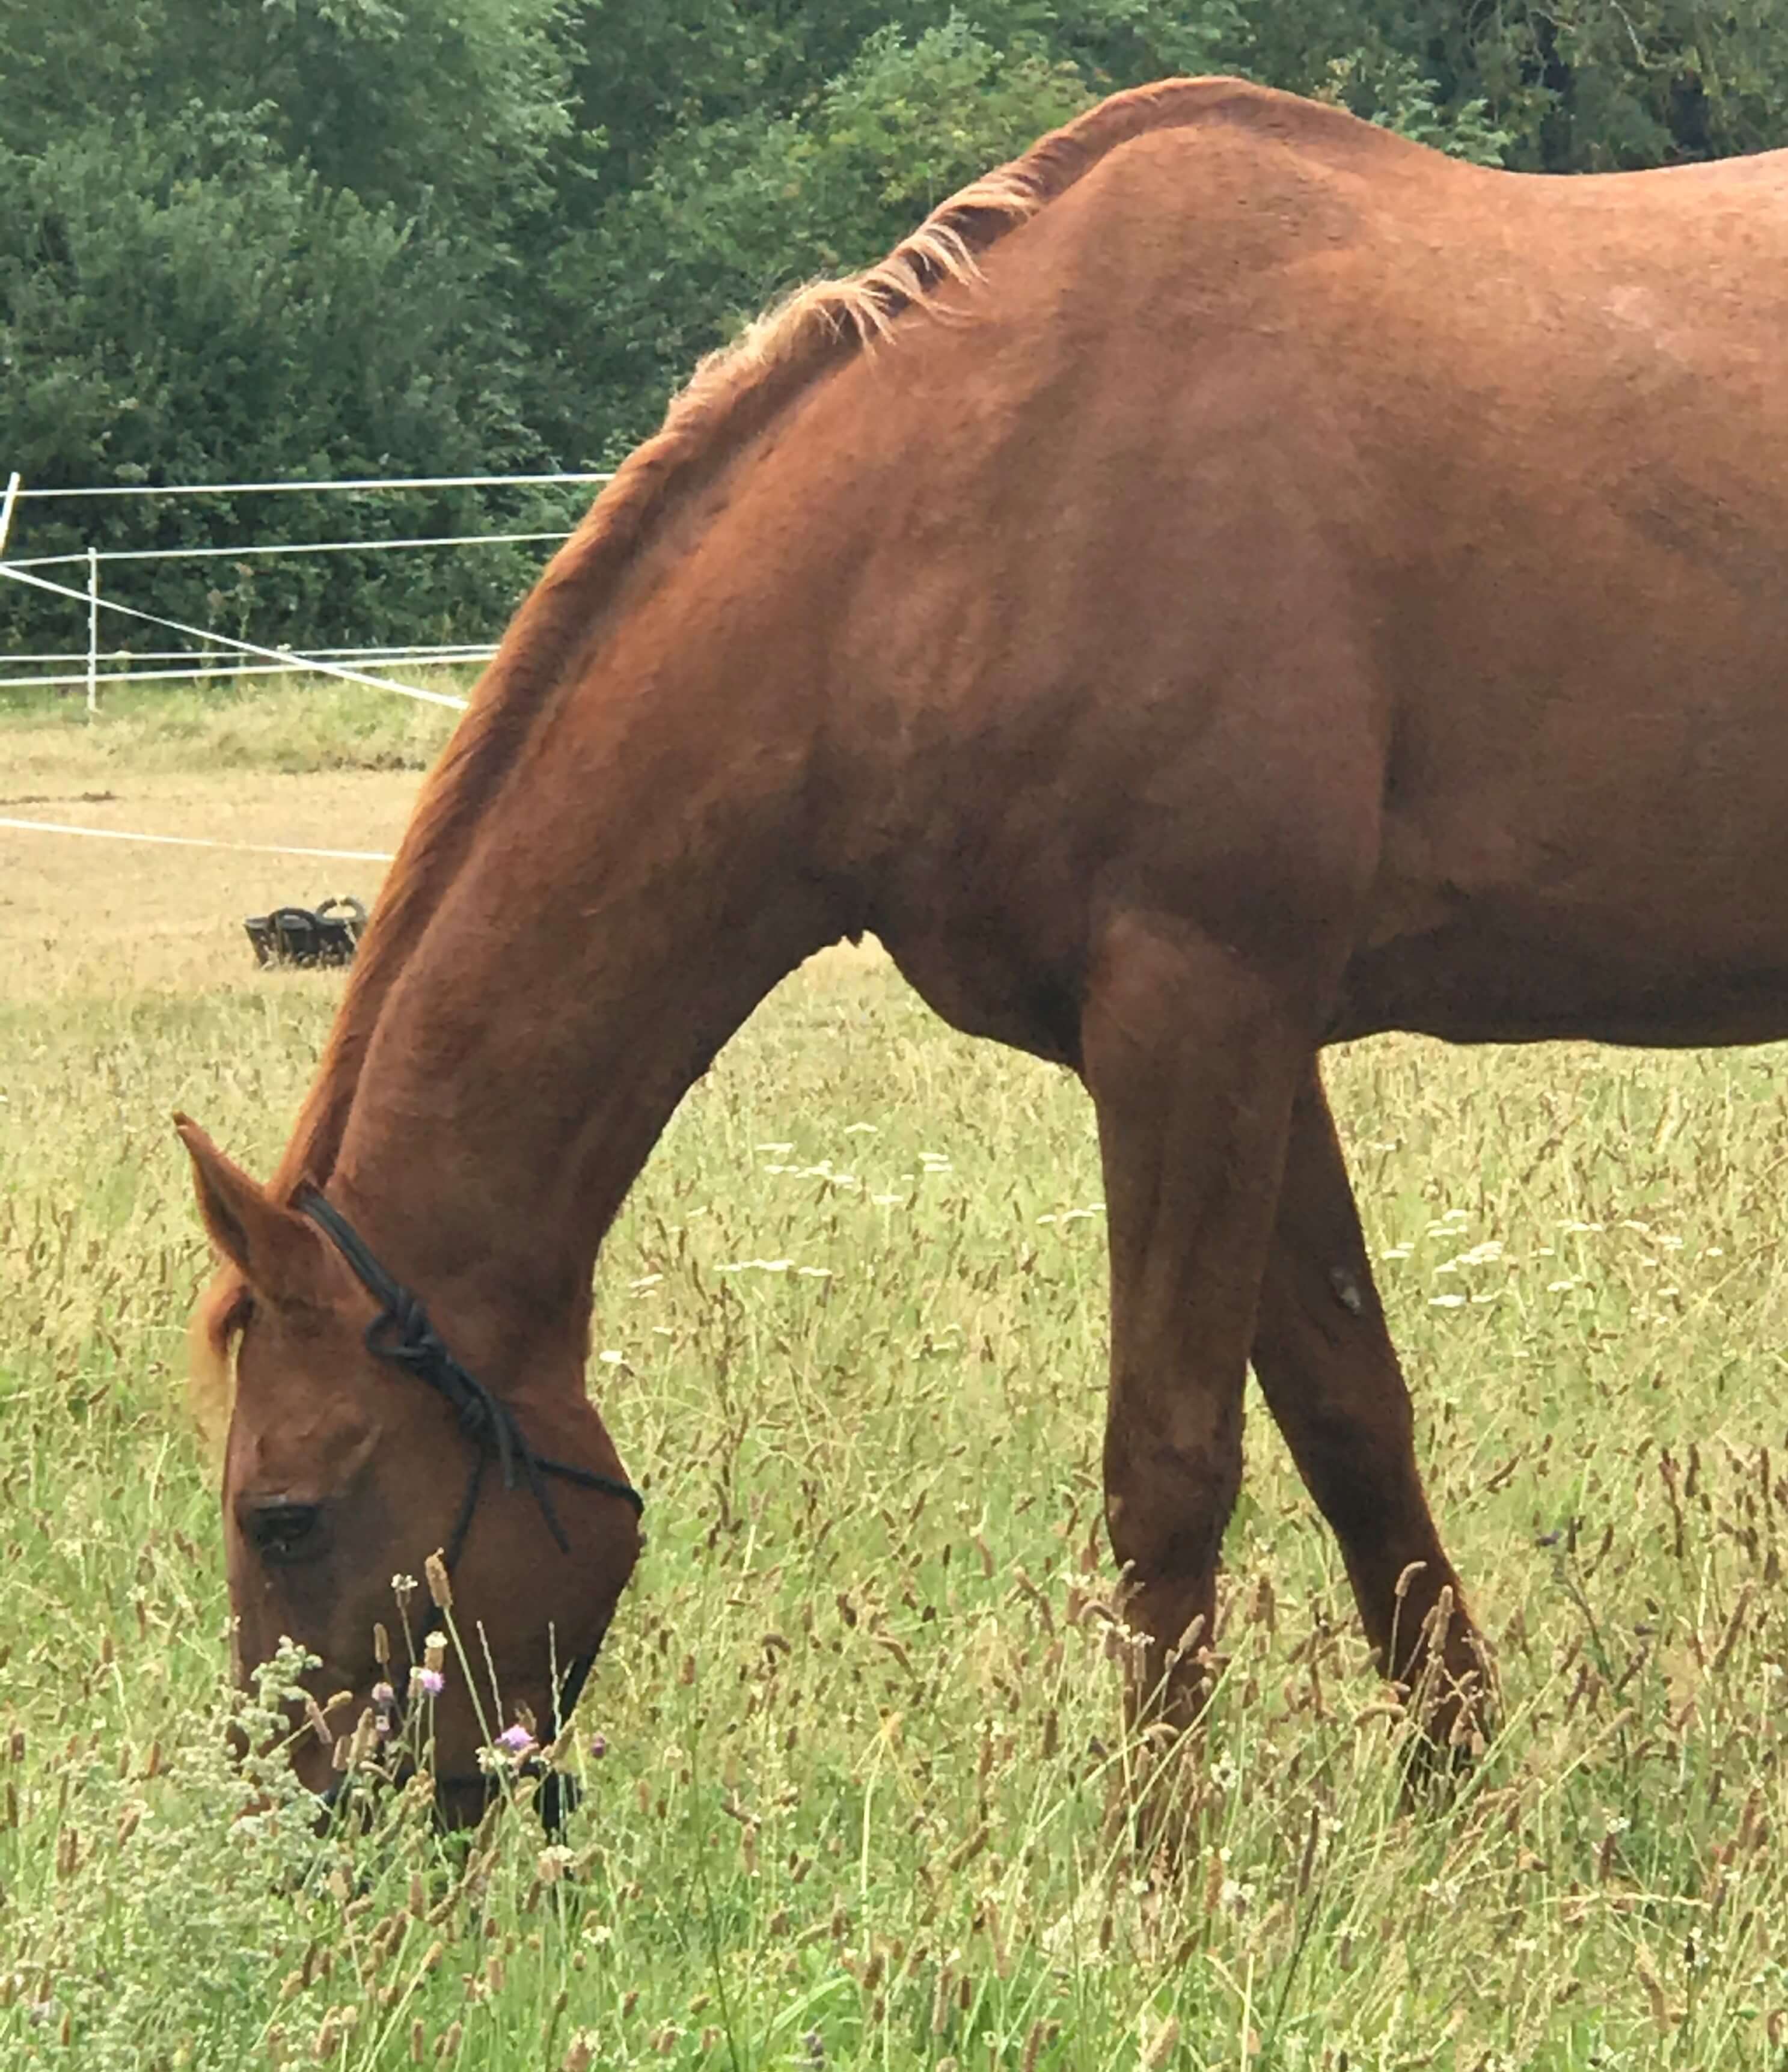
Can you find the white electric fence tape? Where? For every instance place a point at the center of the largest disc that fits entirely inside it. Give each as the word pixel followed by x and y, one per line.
pixel 106 556
pixel 175 490
pixel 199 841
pixel 285 656
pixel 284 659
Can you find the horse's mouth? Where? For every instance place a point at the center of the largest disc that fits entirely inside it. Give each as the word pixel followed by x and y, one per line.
pixel 462 1799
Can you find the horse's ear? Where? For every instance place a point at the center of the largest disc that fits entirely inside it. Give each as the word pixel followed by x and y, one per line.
pixel 275 1249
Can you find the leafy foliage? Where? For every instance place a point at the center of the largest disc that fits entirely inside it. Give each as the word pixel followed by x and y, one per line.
pixel 181 304
pixel 333 237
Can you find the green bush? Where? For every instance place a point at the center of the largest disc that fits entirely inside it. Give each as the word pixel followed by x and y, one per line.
pixel 327 238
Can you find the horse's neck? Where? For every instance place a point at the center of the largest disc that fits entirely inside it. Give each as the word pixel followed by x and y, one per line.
pixel 636 886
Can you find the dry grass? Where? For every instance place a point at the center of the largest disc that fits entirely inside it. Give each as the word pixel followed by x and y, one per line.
pixel 860 1802
pixel 309 766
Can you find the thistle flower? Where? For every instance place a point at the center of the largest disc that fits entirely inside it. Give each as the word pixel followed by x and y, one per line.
pixel 598 1746
pixel 515 1740
pixel 430 1682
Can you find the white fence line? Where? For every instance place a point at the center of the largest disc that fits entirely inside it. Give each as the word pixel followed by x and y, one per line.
pixel 267 661
pixel 275 488
pixel 212 671
pixel 199 665
pixel 195 841
pixel 440 651
pixel 281 547
pixel 282 657
pixel 37 669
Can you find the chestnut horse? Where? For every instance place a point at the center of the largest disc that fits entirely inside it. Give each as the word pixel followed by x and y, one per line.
pixel 1232 581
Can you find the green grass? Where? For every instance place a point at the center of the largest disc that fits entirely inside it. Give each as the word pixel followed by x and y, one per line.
pixel 862 1802
pixel 288 724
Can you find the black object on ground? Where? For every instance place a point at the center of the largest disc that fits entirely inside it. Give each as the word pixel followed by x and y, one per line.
pixel 301 935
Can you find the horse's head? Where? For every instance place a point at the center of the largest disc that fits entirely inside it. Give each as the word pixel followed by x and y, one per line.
pixel 348 1466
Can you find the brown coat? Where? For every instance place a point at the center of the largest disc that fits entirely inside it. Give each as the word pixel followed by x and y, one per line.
pixel 1233 579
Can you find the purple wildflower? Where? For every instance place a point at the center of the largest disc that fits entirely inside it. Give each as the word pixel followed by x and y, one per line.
pixel 430 1682
pixel 598 1746
pixel 383 1695
pixel 515 1740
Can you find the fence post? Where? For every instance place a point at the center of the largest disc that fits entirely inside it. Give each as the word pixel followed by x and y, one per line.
pixel 6 503
pixel 93 630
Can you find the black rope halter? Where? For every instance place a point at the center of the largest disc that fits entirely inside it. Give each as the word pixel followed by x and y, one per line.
pixel 402 1334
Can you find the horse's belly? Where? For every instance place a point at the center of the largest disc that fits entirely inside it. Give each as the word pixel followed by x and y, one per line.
pixel 1478 981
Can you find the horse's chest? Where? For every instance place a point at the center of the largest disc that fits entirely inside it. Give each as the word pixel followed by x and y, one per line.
pixel 986 980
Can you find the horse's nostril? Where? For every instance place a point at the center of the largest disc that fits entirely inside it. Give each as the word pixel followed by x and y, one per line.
pixel 283 1533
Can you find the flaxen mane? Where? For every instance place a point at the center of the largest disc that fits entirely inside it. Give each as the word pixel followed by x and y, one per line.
pixel 733 392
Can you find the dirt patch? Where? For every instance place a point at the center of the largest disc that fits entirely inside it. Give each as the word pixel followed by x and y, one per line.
pixel 78 914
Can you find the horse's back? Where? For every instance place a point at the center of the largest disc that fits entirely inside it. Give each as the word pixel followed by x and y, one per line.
pixel 1402 538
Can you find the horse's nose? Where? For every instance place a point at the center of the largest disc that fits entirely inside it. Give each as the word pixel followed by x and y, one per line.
pixel 557 1799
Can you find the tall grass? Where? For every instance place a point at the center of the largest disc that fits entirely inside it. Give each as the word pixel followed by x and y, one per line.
pixel 861 1797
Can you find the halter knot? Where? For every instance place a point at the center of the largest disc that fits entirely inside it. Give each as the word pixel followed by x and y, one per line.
pixel 402 1334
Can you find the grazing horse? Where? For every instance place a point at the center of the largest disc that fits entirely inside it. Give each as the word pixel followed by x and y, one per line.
pixel 1232 581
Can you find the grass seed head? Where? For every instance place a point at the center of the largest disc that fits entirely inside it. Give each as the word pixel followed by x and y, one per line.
pixel 1159 2047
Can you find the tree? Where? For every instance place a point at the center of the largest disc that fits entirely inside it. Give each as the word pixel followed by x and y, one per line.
pixel 177 304
pixel 325 237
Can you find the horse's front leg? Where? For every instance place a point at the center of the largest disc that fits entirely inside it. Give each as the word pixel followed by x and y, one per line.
pixel 1193 1059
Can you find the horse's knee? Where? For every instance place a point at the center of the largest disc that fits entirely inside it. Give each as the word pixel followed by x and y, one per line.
pixel 1166 1508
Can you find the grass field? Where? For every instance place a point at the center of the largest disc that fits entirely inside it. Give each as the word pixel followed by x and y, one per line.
pixel 860 1802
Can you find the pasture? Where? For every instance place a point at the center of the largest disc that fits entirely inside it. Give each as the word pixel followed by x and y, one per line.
pixel 859 1800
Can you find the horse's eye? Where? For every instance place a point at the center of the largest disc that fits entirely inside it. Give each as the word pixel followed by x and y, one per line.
pixel 283 1533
